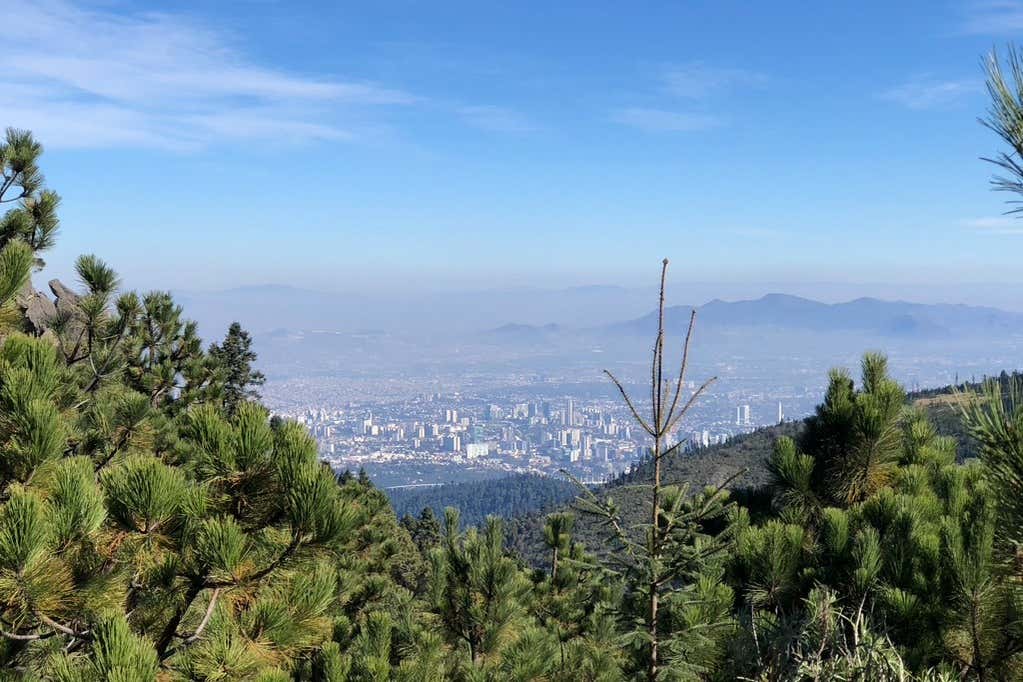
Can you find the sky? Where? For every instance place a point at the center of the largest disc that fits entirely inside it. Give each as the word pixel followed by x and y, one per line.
pixel 391 146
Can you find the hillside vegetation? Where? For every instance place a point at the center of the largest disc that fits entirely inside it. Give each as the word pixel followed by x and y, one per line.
pixel 476 500
pixel 745 457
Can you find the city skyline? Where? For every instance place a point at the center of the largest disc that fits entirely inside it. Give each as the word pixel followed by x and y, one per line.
pixel 436 438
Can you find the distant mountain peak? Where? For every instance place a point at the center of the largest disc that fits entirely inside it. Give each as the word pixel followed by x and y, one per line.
pixel 776 297
pixel 863 315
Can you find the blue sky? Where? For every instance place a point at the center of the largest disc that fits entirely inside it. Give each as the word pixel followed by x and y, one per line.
pixel 368 146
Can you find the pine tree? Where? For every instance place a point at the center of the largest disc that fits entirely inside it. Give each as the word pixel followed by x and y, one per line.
pixel 855 436
pixel 236 357
pixel 33 220
pixel 146 532
pixel 576 602
pixel 676 549
pixel 29 227
pixel 558 534
pixel 425 530
pixel 911 559
pixel 1003 118
pixel 478 592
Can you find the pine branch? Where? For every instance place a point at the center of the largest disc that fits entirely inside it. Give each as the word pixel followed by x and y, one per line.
pixel 684 365
pixel 692 399
pixel 628 402
pixel 194 637
pixel 85 634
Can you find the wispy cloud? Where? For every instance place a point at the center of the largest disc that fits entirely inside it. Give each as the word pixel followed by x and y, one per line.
pixel 697 80
pixel 496 119
pixel 994 17
pixel 90 78
pixel 693 81
pixel 1002 225
pixel 664 121
pixel 925 93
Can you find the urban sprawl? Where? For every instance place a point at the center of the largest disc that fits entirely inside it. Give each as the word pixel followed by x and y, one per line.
pixel 437 438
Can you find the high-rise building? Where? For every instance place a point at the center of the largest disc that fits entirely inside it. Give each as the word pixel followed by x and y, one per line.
pixel 781 414
pixel 571 412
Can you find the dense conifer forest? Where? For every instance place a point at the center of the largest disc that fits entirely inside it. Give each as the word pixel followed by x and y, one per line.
pixel 507 496
pixel 156 523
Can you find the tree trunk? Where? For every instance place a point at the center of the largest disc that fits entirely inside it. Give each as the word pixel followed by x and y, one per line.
pixel 978 654
pixel 652 671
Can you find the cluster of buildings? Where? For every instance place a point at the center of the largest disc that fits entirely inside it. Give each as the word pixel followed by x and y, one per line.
pixel 435 438
pixel 742 415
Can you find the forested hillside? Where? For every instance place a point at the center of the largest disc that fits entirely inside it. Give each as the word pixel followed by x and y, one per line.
pixel 507 496
pixel 524 500
pixel 746 458
pixel 743 457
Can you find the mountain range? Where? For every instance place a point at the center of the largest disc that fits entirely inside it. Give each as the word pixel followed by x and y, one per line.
pixel 783 312
pixel 539 315
pixel 864 315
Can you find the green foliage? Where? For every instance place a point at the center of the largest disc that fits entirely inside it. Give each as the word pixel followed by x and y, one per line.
pixel 854 437
pixel 675 599
pixel 507 496
pixel 792 479
pixel 995 417
pixel 33 220
pixel 228 554
pixel 154 524
pixel 235 356
pixel 476 590
pixel 908 563
pixel 1004 118
pixel 16 260
pixel 424 529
